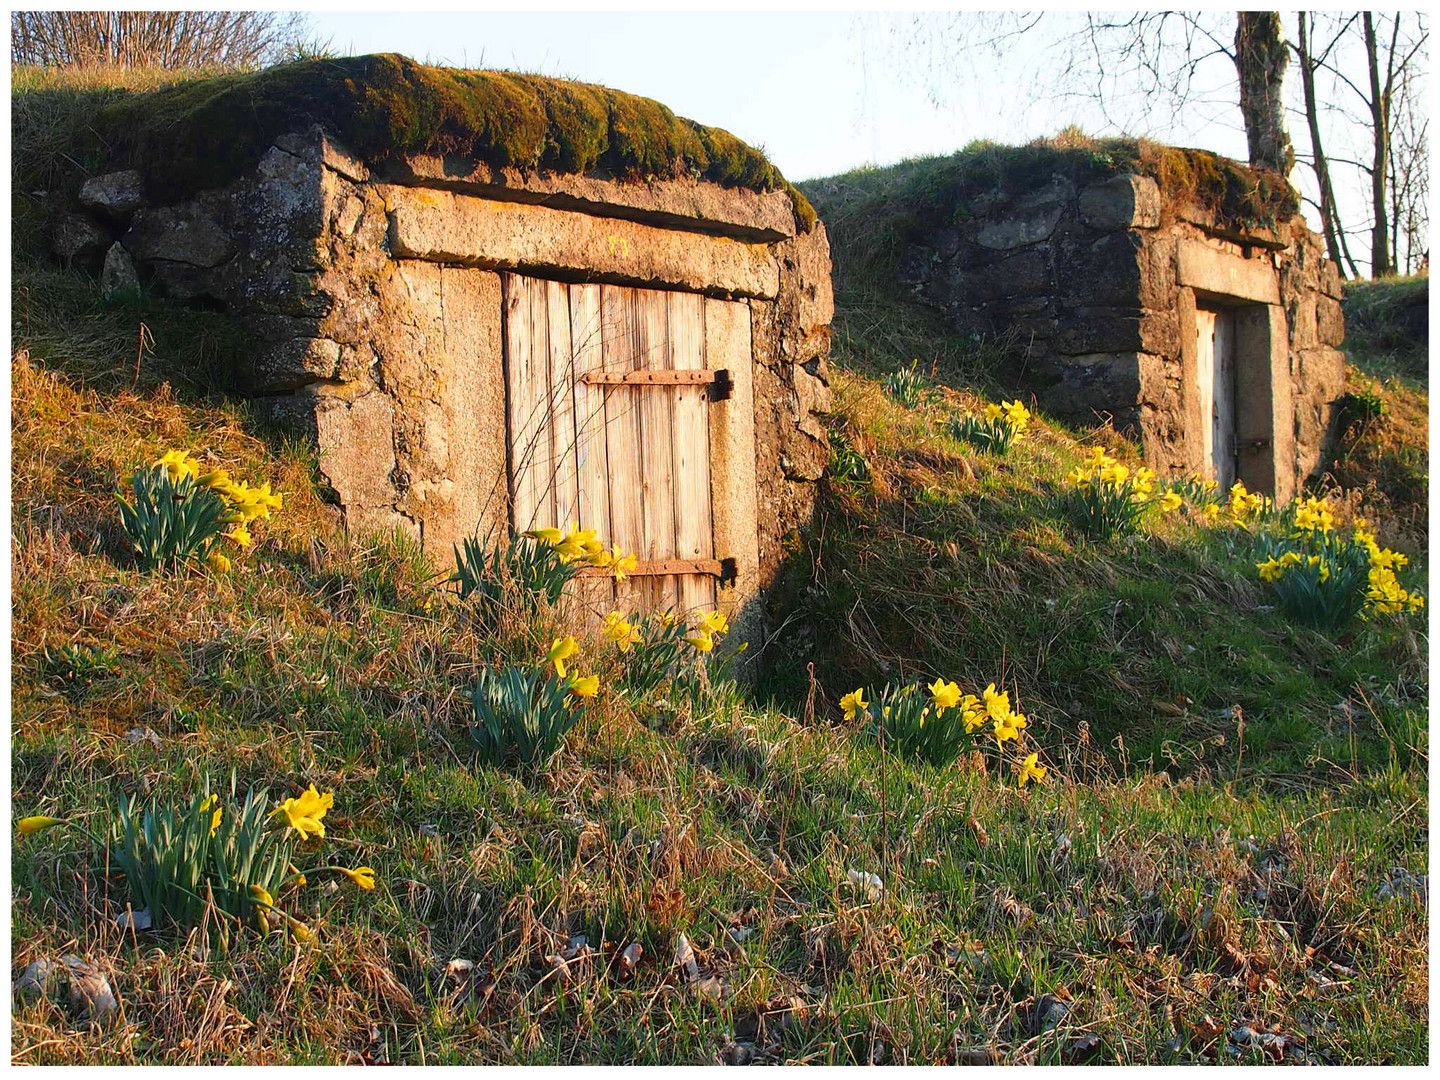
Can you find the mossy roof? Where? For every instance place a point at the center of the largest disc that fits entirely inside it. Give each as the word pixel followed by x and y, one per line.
pixel 988 174
pixel 204 133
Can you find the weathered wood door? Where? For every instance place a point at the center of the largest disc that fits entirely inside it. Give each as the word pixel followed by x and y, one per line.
pixel 607 403
pixel 1215 373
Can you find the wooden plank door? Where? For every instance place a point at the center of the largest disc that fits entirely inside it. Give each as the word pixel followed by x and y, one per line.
pixel 629 459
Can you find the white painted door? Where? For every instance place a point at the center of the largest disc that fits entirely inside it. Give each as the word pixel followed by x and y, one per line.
pixel 1215 375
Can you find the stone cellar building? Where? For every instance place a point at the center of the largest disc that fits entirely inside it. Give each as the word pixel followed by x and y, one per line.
pixel 1173 292
pixel 494 301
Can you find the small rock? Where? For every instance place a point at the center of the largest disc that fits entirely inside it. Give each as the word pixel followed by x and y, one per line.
pixel 91 999
pixel 739 934
pixel 117 193
pixel 38 979
pixel 977 1055
pixel 78 240
pixel 134 920
pixel 118 277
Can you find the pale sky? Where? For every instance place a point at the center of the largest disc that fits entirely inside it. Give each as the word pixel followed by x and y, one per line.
pixel 822 92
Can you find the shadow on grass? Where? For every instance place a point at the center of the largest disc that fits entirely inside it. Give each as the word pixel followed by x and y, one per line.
pixel 1164 653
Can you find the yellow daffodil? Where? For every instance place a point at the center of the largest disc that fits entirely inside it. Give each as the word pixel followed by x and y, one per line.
pixel 622 565
pixel 298 930
pixel 622 632
pixel 946 695
pixel 303 814
pixel 216 816
pixel 853 702
pixel 240 534
pixel 702 641
pixel 548 535
pixel 972 713
pixel 561 649
pixel 28 826
pixel 713 622
pixel 217 562
pixel 215 478
pixel 179 465
pixel 1211 511
pixel 585 687
pixel 361 875
pixel 997 704
pixel 1171 500
pixel 259 894
pixel 1030 769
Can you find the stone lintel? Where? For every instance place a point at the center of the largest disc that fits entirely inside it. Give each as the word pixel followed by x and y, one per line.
pixel 441 226
pixel 754 216
pixel 1217 272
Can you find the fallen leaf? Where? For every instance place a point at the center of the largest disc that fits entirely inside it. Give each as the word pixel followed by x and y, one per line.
pixel 685 957
pixel 629 958
pixel 91 998
pixel 710 986
pixel 1080 1050
pixel 871 884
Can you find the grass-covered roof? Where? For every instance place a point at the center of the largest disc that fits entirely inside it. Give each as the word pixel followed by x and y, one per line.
pixel 204 132
pixel 879 207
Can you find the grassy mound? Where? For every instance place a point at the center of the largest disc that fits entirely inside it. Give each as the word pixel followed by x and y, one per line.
pixel 871 213
pixel 206 131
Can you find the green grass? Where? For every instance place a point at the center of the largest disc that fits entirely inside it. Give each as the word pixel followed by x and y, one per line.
pixel 1175 879
pixel 1387 346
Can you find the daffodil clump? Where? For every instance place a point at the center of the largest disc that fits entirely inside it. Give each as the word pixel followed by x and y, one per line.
pixel 522 712
pixel 1327 579
pixel 228 866
pixel 936 723
pixel 520 572
pixel 1247 507
pixel 996 429
pixel 179 511
pixel 1107 498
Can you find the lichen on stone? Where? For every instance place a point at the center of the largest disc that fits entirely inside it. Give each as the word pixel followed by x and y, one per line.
pixel 204 133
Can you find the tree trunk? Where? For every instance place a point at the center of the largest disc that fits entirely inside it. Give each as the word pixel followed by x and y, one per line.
pixel 1380 161
pixel 1260 59
pixel 1329 222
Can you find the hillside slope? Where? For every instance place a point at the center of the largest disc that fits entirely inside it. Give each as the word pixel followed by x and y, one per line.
pixel 1183 887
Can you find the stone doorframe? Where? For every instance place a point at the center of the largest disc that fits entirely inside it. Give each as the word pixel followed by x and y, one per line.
pixel 1264 413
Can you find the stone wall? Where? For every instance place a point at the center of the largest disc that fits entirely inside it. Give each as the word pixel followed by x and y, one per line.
pixel 375 299
pixel 1095 289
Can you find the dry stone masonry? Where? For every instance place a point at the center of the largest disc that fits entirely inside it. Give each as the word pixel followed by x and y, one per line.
pixel 1128 302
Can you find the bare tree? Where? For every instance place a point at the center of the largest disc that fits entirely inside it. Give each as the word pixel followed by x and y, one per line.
pixel 1392 50
pixel 1260 60
pixel 1335 242
pixel 166 39
pixel 1362 79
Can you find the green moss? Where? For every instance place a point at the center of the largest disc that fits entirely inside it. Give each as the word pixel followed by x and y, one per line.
pixel 872 213
pixel 205 132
